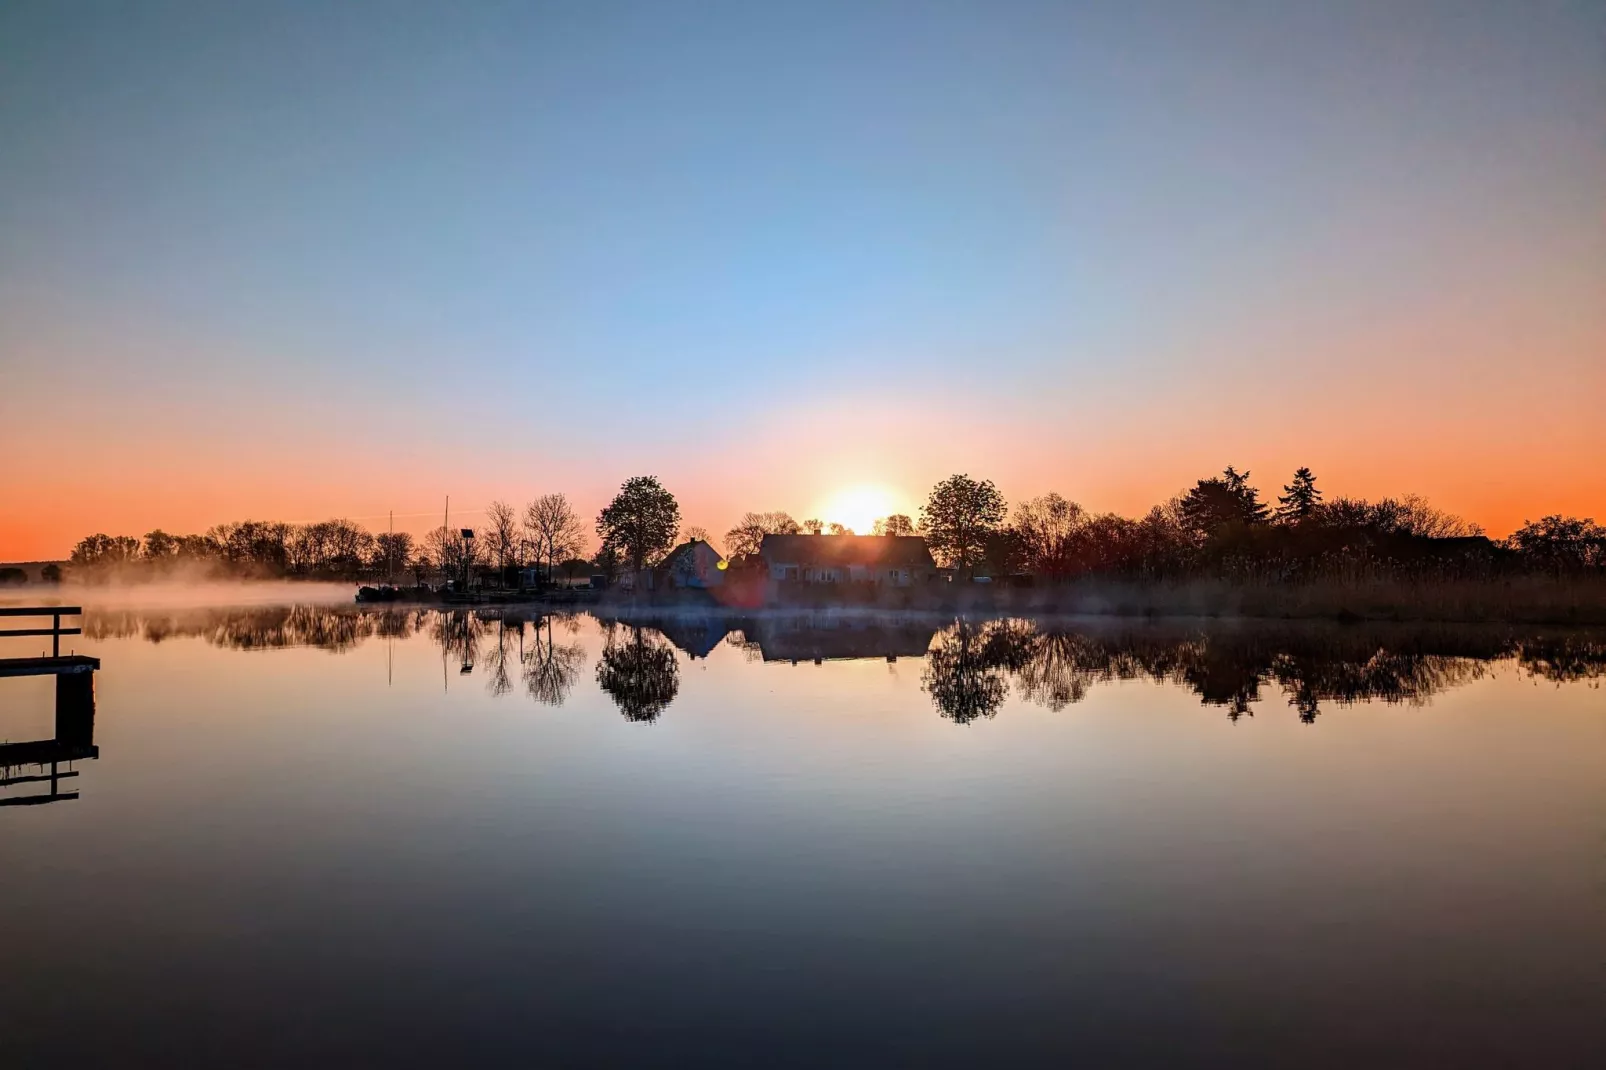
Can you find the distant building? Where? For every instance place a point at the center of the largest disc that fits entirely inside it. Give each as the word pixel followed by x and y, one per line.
pixel 691 564
pixel 889 560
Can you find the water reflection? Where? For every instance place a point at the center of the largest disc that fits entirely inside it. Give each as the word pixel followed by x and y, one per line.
pixel 47 762
pixel 967 671
pixel 970 666
pixel 821 637
pixel 639 671
pixel 551 666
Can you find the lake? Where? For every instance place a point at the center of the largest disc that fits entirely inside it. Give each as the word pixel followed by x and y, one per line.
pixel 407 836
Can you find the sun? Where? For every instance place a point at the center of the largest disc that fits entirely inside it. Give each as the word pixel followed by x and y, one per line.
pixel 859 507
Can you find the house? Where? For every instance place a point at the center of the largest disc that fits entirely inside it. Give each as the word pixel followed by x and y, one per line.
pixel 889 560
pixel 691 564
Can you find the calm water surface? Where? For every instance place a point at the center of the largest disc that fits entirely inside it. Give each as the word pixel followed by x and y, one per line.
pixel 410 837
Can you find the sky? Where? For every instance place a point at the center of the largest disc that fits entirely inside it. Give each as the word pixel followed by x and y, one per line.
pixel 295 261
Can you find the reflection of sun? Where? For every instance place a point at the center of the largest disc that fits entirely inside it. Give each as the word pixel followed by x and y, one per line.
pixel 859 508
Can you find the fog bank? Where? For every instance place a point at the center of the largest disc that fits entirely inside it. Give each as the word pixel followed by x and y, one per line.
pixel 183 594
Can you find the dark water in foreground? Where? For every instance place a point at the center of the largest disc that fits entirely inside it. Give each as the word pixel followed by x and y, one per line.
pixel 406 838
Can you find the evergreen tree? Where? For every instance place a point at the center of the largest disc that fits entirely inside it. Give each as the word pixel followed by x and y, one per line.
pixel 1301 498
pixel 1228 499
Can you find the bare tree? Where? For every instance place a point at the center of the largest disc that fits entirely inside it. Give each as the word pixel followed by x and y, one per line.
pixel 694 534
pixel 451 553
pixel 1048 528
pixel 391 551
pixel 502 542
pixel 813 526
pixel 554 530
pixel 744 539
pixel 896 524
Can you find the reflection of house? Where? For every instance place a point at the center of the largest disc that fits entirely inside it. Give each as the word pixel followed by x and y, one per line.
pixel 892 560
pixel 698 636
pixel 829 638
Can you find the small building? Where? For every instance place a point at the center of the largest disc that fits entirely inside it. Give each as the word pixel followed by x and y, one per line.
pixel 887 560
pixel 691 564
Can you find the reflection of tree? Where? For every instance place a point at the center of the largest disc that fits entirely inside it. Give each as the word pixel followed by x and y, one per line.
pixel 503 654
pixel 640 673
pixel 1230 666
pixel 1227 675
pixel 332 628
pixel 458 634
pixel 1564 658
pixel 1056 673
pixel 550 667
pixel 966 671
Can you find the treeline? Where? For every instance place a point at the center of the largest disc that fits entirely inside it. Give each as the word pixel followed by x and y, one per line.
pixel 1220 528
pixel 545 534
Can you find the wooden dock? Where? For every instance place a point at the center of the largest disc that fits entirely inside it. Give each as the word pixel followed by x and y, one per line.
pixel 48 666
pixel 55 631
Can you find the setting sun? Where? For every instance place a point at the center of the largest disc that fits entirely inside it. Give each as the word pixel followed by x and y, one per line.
pixel 860 507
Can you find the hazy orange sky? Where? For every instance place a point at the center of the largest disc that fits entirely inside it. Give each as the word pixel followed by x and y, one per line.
pixel 295 264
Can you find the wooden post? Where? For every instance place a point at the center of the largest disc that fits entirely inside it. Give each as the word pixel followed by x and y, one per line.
pixel 55 635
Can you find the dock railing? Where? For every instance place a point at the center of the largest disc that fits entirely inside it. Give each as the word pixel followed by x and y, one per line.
pixel 55 631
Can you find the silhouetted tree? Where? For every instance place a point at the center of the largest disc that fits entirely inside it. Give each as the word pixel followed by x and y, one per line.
pixel 838 529
pixel 1418 517
pixel 503 545
pixel 1228 499
pixel 452 554
pixel 254 547
pixel 1561 543
pixel 813 527
pixel 1047 529
pixel 607 562
pixel 392 551
pixel 1299 499
pixel 105 551
pixel 744 539
pixel 554 530
pixel 959 517
pixel 51 573
pixel 695 534
pixel 160 547
pixel 896 524
pixel 1004 553
pixel 640 522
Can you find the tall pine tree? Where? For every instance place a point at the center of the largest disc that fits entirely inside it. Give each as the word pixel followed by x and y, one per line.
pixel 1227 499
pixel 1300 498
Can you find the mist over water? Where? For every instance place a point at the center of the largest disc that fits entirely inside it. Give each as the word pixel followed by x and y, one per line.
pixel 178 592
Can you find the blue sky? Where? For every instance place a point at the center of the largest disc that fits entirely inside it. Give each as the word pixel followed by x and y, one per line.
pixel 1062 241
